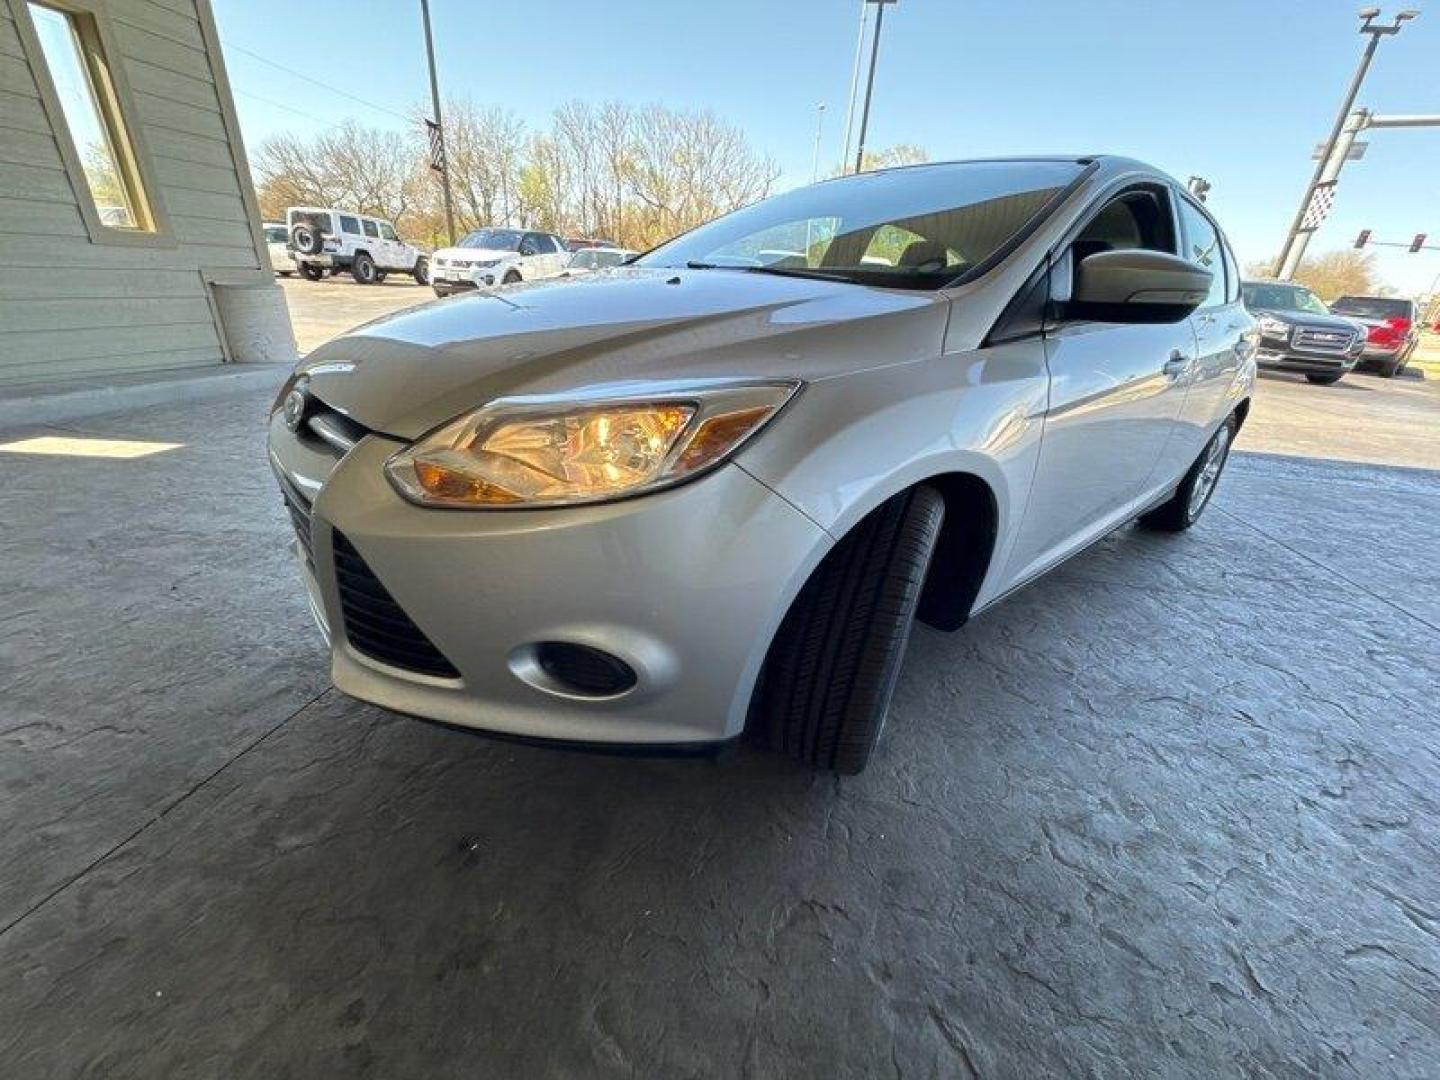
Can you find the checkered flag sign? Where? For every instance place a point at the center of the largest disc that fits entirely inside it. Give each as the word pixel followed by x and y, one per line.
pixel 1320 203
pixel 437 146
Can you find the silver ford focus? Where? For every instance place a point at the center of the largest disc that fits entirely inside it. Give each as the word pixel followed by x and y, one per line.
pixel 710 491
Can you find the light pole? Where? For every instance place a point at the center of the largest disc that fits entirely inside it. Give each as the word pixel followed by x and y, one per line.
pixel 819 126
pixel 439 161
pixel 1299 235
pixel 854 84
pixel 870 82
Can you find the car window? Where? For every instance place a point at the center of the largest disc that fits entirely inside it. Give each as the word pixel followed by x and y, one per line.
pixel 349 224
pixel 274 234
pixel 387 231
pixel 1202 247
pixel 1372 307
pixel 1133 220
pixel 370 229
pixel 493 239
pixel 952 218
pixel 1281 296
pixel 1232 273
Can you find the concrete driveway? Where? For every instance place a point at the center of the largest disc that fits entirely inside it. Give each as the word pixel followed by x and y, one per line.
pixel 1171 812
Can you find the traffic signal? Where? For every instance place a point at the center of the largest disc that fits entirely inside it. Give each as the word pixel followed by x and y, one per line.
pixel 1363 238
pixel 1417 243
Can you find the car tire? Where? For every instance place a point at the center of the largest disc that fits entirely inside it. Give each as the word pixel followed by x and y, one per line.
pixel 511 277
pixel 1324 380
pixel 831 670
pixel 380 276
pixel 440 293
pixel 1184 508
pixel 310 272
pixel 307 239
pixel 421 272
pixel 362 269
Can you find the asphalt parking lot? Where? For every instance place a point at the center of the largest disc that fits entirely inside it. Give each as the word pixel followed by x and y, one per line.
pixel 1171 811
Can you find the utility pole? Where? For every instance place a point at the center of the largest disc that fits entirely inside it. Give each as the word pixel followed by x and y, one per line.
pixel 819 126
pixel 1318 193
pixel 439 161
pixel 854 84
pixel 870 82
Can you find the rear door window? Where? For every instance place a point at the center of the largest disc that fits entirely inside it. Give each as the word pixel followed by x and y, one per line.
pixel 370 229
pixel 1202 247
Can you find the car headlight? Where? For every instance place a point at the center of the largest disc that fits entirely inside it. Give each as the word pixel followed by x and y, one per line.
pixel 527 452
pixel 1273 327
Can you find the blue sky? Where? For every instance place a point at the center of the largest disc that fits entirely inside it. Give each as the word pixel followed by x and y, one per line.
pixel 1238 91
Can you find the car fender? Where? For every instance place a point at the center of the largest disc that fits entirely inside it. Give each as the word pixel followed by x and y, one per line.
pixel 848 443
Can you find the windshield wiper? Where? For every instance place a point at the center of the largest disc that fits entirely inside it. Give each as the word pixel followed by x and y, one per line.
pixel 798 271
pixel 693 265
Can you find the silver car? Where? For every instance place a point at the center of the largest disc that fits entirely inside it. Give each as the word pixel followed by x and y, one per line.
pixel 709 491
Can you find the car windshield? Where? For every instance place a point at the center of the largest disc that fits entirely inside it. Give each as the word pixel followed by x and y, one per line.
pixel 493 239
pixel 1262 296
pixel 1372 307
pixel 918 228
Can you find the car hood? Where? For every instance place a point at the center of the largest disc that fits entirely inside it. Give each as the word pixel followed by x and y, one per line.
pixel 1310 319
pixel 409 372
pixel 475 253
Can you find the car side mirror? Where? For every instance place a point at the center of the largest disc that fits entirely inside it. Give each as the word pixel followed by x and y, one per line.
pixel 1137 286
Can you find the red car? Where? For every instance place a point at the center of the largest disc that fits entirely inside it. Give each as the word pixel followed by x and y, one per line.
pixel 1392 329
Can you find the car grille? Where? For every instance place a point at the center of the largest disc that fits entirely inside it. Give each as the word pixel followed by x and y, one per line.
pixel 1325 341
pixel 375 624
pixel 299 509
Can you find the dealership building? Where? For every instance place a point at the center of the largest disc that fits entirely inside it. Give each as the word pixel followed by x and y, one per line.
pixel 130 240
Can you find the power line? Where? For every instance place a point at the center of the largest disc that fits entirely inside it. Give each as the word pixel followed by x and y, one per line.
pixel 316 82
pixel 287 108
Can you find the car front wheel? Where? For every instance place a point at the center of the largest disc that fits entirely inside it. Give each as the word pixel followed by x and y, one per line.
pixel 831 671
pixel 1324 380
pixel 1184 508
pixel 421 272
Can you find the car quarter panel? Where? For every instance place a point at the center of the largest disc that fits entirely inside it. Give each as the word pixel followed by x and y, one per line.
pixel 686 585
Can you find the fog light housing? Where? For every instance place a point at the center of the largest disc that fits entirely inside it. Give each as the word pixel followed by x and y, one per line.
pixel 568 669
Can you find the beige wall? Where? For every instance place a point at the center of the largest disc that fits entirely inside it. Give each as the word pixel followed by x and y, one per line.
pixel 72 304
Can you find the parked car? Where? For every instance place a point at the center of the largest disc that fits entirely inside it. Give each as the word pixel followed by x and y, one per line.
pixel 1299 333
pixel 659 506
pixel 322 239
pixel 578 243
pixel 277 247
pixel 1392 329
pixel 588 260
pixel 489 257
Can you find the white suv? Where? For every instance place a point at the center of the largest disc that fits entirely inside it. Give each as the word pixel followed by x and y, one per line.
pixel 488 257
pixel 324 239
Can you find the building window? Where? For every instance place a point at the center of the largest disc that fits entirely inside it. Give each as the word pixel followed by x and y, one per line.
pixel 85 86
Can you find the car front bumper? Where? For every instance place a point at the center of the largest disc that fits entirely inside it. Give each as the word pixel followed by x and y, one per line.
pixel 686 586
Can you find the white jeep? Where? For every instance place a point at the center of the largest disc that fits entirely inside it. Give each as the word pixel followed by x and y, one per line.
pixel 322 239
pixel 489 257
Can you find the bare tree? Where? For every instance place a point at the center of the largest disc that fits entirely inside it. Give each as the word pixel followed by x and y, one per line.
pixel 364 169
pixel 1343 272
pixel 484 148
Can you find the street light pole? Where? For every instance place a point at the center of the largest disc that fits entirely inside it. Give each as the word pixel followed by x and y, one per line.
pixel 854 84
pixel 439 125
pixel 1298 236
pixel 870 82
pixel 819 127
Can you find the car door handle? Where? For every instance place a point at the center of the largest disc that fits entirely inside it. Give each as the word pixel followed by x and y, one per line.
pixel 1178 364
